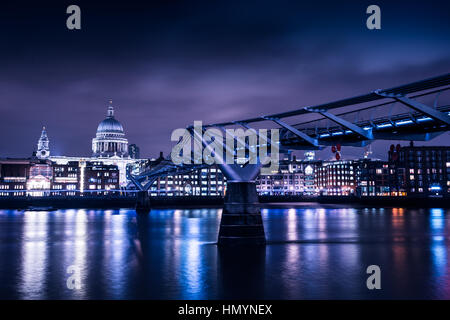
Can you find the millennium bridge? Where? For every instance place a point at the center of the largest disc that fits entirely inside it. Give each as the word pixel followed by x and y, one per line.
pixel 418 111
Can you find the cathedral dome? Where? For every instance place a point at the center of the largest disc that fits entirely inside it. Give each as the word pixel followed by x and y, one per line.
pixel 110 125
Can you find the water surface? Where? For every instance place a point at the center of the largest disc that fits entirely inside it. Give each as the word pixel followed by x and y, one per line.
pixel 313 252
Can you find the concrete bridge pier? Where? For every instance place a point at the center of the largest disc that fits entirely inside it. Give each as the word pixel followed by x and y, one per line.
pixel 241 221
pixel 143 202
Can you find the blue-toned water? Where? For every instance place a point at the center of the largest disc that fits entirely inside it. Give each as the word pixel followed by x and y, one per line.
pixel 313 252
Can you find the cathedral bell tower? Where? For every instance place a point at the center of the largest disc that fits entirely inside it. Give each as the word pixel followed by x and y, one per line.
pixel 43 150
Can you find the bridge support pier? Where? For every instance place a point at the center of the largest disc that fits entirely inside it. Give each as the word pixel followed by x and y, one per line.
pixel 142 202
pixel 241 222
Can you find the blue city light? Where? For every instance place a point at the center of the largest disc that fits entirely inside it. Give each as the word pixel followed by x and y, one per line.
pixel 384 125
pixel 424 119
pixel 403 122
pixel 437 212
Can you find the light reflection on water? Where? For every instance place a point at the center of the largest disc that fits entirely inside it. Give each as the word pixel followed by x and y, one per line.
pixel 33 253
pixel 312 253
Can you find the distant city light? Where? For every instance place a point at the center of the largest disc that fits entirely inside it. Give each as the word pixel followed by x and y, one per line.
pixel 403 122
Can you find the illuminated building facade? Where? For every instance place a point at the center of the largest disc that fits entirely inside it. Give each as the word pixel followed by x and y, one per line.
pixel 294 177
pixel 36 177
pixel 66 177
pixel 40 178
pixel 84 177
pixel 362 177
pixel 423 171
pixel 98 178
pixel 309 185
pixel 203 182
pixel 336 178
pixel 13 176
pixel 374 178
pixel 289 180
pixel 120 163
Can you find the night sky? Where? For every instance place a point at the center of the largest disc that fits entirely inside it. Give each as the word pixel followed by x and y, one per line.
pixel 167 63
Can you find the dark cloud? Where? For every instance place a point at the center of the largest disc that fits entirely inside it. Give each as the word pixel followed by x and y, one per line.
pixel 168 63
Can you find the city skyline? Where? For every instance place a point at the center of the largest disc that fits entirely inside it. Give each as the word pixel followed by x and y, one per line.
pixel 161 59
pixel 326 154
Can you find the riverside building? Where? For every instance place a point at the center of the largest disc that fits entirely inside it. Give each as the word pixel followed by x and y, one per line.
pixel 336 178
pixel 13 177
pixel 293 178
pixel 373 178
pixel 422 171
pixel 203 182
pixel 38 177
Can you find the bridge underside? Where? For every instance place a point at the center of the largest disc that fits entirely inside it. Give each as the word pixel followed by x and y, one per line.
pixel 408 127
pixel 351 140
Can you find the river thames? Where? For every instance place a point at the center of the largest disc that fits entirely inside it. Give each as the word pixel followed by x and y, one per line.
pixel 313 252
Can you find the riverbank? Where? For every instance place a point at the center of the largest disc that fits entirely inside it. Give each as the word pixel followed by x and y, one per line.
pixel 108 202
pixel 405 202
pixel 114 202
